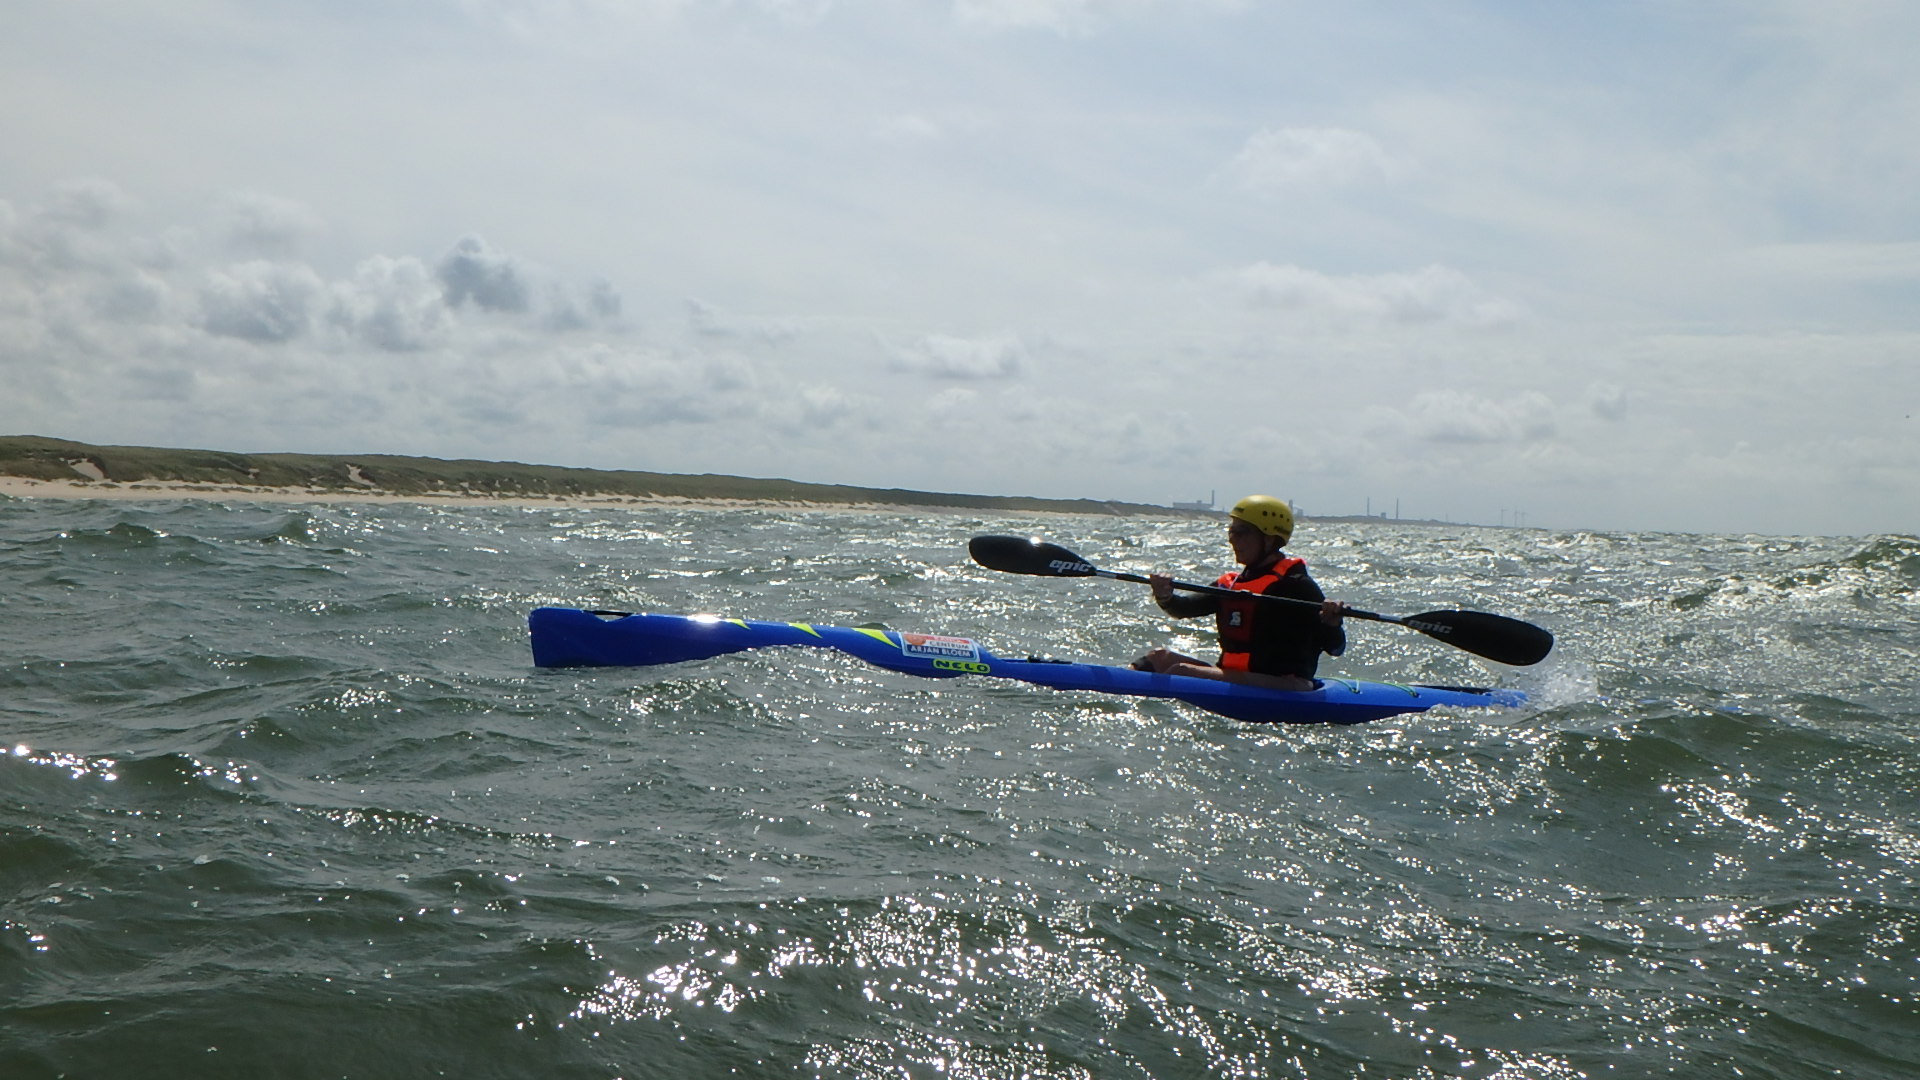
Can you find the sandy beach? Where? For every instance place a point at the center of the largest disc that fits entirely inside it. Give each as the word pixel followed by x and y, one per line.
pixel 151 490
pixel 20 487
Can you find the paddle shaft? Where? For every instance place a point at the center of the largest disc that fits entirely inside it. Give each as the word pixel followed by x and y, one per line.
pixel 1188 586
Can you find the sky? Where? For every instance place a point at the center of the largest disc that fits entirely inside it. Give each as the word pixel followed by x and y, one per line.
pixel 1610 266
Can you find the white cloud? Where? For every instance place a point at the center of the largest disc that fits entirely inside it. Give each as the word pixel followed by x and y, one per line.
pixel 392 304
pixel 260 301
pixel 268 224
pixel 71 273
pixel 953 400
pixel 601 388
pixel 907 128
pixel 1061 16
pixel 131 295
pixel 1430 294
pixel 68 229
pixel 1608 401
pixel 710 320
pixel 1074 18
pixel 473 271
pixel 1001 356
pixel 1277 161
pixel 476 276
pixel 1457 417
pixel 813 409
pixel 1892 262
pixel 568 309
pixel 88 204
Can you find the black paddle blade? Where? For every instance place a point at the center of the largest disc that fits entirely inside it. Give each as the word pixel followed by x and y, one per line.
pixel 1496 637
pixel 1020 555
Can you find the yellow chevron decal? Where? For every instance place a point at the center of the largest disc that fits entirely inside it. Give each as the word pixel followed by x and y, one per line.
pixel 1355 688
pixel 877 635
pixel 804 626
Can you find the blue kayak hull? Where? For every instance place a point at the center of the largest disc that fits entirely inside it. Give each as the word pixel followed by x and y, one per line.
pixel 568 637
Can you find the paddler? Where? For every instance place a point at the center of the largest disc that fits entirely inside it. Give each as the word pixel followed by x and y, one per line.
pixel 1261 644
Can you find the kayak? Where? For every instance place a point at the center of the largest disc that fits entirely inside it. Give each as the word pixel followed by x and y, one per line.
pixel 569 637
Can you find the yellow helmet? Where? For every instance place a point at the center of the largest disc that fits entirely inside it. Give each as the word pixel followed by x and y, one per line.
pixel 1266 513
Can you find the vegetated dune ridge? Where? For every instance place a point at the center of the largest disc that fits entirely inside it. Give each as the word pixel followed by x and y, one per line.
pixel 41 466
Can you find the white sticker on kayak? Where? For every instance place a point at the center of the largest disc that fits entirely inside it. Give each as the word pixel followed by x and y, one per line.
pixel 935 647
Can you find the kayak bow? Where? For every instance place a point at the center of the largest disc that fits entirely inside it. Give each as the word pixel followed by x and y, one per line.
pixel 569 637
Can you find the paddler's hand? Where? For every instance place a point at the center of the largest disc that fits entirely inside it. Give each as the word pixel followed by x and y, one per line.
pixel 1157 660
pixel 1332 611
pixel 1167 661
pixel 1162 585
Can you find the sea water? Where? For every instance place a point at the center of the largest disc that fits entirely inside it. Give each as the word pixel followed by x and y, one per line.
pixel 281 795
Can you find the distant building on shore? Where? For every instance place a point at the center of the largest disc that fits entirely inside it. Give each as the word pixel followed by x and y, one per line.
pixel 1204 506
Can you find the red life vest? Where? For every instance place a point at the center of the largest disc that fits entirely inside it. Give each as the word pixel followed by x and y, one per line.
pixel 1236 615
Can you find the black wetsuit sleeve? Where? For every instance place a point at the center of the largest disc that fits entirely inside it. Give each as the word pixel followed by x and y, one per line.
pixel 1182 605
pixel 1332 640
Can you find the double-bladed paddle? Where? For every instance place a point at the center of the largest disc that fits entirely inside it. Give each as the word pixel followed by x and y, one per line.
pixel 1496 637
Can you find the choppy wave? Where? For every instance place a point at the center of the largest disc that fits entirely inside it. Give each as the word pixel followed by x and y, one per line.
pixel 281 795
